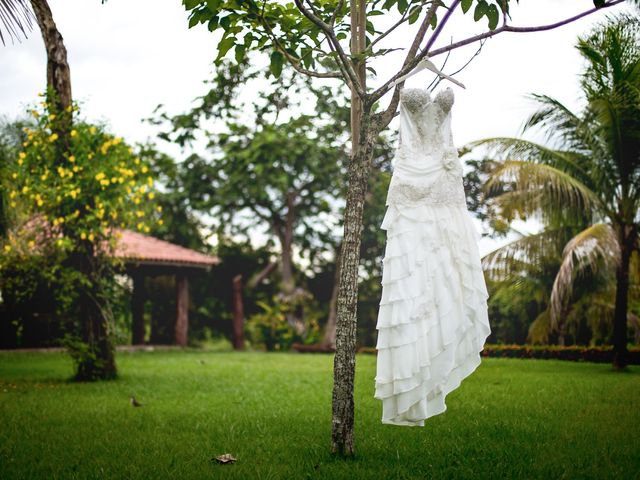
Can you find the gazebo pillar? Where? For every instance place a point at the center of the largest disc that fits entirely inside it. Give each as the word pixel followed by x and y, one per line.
pixel 182 309
pixel 137 309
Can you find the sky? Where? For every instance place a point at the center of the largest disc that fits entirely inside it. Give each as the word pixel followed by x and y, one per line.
pixel 128 56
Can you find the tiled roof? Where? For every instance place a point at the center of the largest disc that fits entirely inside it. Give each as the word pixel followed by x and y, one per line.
pixel 141 248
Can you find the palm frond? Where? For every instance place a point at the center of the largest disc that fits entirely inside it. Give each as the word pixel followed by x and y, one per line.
pixel 517 257
pixel 594 247
pixel 531 188
pixel 16 17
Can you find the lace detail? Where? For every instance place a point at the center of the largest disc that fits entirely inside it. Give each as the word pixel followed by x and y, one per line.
pixel 445 191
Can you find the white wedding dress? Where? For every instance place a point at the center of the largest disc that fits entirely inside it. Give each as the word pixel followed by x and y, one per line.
pixel 432 322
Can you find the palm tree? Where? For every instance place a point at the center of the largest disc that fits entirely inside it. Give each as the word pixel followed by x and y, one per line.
pixel 586 180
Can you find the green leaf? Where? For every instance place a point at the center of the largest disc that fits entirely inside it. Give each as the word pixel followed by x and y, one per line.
pixel 224 46
pixel 481 10
pixel 402 6
pixel 214 5
pixel 213 23
pixel 277 59
pixel 190 4
pixel 194 19
pixel 240 53
pixel 466 5
pixel 493 15
pixel 434 21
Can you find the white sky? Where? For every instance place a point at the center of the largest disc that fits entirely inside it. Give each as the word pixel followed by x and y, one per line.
pixel 128 56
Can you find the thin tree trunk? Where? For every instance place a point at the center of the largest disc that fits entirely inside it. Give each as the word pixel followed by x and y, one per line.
pixel 627 236
pixel 58 72
pixel 344 363
pixel 345 357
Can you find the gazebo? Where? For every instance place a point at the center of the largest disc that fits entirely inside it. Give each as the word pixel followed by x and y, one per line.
pixel 146 256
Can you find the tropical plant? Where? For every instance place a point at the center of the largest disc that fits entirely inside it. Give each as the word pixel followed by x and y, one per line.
pixel 586 180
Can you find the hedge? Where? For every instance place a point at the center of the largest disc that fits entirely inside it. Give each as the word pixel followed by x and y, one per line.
pixel 603 354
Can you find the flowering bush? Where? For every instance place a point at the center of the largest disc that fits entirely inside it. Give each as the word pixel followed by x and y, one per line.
pixel 80 197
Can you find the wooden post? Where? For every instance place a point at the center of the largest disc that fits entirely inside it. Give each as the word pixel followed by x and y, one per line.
pixel 182 309
pixel 137 309
pixel 238 314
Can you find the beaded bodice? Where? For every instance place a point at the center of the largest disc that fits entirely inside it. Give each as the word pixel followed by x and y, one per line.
pixel 426 165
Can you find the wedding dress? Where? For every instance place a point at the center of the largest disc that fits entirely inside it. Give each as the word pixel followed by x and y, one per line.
pixel 432 322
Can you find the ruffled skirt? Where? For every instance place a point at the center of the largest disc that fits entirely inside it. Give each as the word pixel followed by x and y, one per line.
pixel 433 320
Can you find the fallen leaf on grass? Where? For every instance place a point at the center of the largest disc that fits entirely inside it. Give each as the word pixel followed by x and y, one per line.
pixel 224 458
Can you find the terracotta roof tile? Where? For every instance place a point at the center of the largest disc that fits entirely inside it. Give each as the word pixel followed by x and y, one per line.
pixel 145 249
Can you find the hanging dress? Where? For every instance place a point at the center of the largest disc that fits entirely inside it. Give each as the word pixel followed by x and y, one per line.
pixel 433 322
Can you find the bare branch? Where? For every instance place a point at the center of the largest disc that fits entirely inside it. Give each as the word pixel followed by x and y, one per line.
pixel 336 12
pixel 437 80
pixel 403 19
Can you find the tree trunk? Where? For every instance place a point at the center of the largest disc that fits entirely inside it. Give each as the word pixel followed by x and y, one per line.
pixel 238 314
pixel 344 363
pixel 345 357
pixel 627 236
pixel 58 73
pixel 98 362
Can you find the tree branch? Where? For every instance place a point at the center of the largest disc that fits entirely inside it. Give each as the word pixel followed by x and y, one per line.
pixel 385 117
pixel 507 28
pixel 330 34
pixel 290 58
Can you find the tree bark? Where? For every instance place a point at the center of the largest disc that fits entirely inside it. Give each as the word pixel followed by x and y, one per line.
pixel 238 314
pixel 345 357
pixel 58 72
pixel 344 363
pixel 627 237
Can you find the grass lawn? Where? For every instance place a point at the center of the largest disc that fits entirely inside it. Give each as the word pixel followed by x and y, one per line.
pixel 511 419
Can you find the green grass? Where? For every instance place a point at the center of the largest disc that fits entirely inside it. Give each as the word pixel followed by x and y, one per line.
pixel 510 419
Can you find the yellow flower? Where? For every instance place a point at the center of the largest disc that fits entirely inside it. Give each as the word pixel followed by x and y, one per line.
pixel 100 176
pixel 53 137
pixel 83 236
pixel 147 229
pixel 13 194
pixel 12 204
pixel 72 158
pixel 149 181
pixel 74 133
pixel 52 117
pixel 92 130
pixel 91 237
pixel 22 155
pixel 20 161
pixel 76 168
pixel 116 140
pixel 35 114
pixel 140 225
pixel 151 195
pixel 31 244
pixel 159 208
pixel 137 161
pixel 7 248
pixel 68 109
pixel 14 176
pixel 139 213
pixel 160 222
pixel 144 169
pixel 25 189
